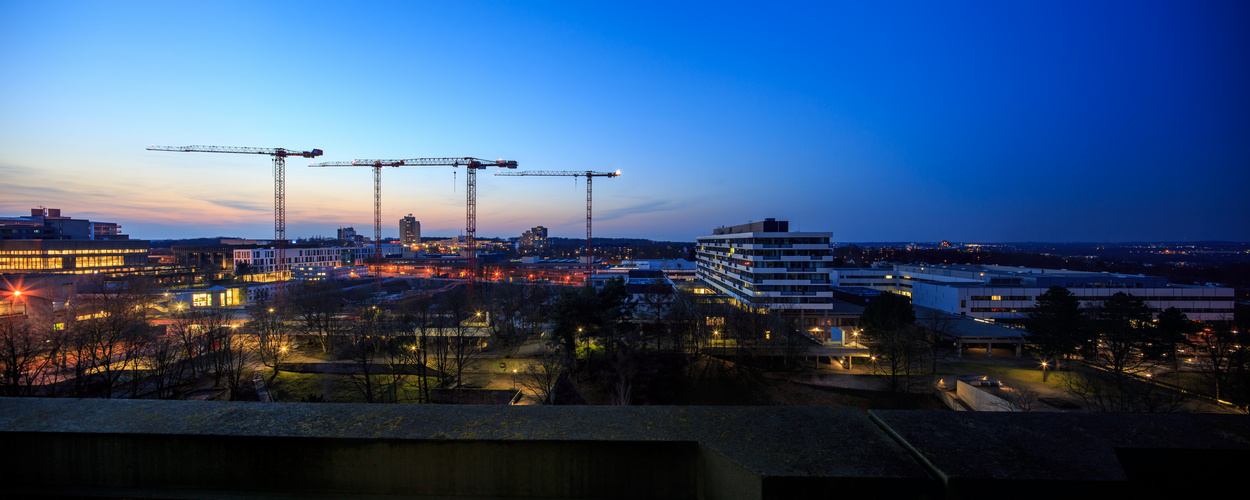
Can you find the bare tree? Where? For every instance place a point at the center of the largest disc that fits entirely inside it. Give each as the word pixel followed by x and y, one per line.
pixel 421 322
pixel 462 347
pixel 938 328
pixel 363 345
pixel 272 335
pixel 1106 391
pixel 234 353
pixel 77 359
pixel 1221 356
pixel 1019 398
pixel 894 339
pixel 114 331
pixel 25 356
pixel 316 305
pixel 216 334
pixel 167 365
pixel 504 313
pixel 539 379
pixel 899 354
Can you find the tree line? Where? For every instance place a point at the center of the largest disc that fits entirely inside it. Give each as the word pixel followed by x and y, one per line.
pixel 1112 354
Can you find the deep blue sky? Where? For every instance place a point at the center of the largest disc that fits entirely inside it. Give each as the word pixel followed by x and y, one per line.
pixel 965 121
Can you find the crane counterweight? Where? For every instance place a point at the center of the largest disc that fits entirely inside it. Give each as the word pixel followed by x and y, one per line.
pixel 279 184
pixel 589 175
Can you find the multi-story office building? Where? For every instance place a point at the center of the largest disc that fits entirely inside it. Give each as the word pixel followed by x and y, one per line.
pixel 1009 293
pixel 49 224
pixel 410 231
pixel 264 260
pixel 764 267
pixel 73 256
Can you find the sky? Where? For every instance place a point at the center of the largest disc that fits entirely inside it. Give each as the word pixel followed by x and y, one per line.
pixel 875 121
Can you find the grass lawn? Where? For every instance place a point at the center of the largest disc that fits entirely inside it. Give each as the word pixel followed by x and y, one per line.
pixel 292 387
pixel 1004 372
pixel 1190 381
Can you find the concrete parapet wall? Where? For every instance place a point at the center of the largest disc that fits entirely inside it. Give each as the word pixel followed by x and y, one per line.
pixel 155 448
pixel 981 400
pixel 189 449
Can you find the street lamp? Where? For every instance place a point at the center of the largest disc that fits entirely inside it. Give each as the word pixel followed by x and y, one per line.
pixel 1043 371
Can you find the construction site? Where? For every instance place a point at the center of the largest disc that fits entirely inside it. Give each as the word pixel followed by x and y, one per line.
pixel 467 264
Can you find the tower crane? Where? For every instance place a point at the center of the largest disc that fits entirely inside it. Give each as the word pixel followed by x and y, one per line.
pixel 471 164
pixel 279 184
pixel 590 253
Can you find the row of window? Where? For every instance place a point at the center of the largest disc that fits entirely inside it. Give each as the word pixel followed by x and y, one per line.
pixel 10 263
pixel 49 263
pixel 102 261
pixel 1164 298
pixel 76 252
pixel 1153 309
pixel 764 241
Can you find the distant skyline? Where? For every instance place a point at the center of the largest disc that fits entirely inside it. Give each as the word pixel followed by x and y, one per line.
pixel 906 121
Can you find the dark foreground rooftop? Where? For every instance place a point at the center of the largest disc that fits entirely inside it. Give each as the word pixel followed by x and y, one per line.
pixel 189 449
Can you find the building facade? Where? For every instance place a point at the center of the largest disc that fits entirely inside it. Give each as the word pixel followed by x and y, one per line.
pixel 348 236
pixel 534 240
pixel 306 272
pixel 1008 293
pixel 264 260
pixel 764 266
pixel 73 256
pixel 410 231
pixel 49 224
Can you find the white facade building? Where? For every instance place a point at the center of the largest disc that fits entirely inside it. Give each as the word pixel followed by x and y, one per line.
pixel 1009 293
pixel 764 266
pixel 264 260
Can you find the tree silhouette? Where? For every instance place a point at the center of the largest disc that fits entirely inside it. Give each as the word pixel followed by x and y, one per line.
pixel 1056 325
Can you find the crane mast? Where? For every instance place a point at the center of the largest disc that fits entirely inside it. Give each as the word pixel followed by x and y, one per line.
pixel 471 164
pixel 590 176
pixel 279 185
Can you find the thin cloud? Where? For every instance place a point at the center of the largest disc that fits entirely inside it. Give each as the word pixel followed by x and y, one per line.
pixel 246 206
pixel 638 209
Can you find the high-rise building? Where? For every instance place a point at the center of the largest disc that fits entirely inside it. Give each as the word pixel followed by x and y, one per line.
pixel 410 230
pixel 348 236
pixel 534 239
pixel 763 266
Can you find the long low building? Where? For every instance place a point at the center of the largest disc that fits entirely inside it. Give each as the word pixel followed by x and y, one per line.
pixel 1009 293
pixel 73 256
pixel 264 260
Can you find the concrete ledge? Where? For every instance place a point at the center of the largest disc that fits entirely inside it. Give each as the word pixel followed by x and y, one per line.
pixel 169 448
pixel 191 449
pixel 1036 455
